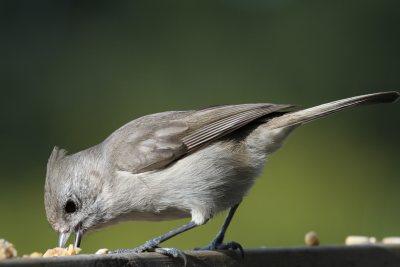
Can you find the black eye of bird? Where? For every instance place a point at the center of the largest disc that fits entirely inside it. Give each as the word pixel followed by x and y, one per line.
pixel 70 206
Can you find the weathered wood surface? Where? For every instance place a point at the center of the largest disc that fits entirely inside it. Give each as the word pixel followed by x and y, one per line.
pixel 354 256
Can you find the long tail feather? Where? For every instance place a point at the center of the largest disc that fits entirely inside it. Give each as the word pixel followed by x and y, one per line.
pixel 310 114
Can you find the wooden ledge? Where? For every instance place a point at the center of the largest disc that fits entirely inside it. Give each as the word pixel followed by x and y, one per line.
pixel 326 256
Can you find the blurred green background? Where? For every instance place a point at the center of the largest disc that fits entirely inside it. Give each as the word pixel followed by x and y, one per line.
pixel 74 71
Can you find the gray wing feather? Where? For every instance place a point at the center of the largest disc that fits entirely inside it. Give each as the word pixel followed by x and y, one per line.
pixel 224 126
pixel 152 142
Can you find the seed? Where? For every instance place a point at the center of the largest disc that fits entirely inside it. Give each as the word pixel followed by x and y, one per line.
pixel 391 240
pixel 102 251
pixel 56 252
pixel 360 240
pixel 7 250
pixel 311 239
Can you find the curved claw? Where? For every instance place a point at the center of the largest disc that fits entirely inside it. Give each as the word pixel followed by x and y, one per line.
pixel 173 252
pixel 148 246
pixel 123 250
pixel 232 245
pixel 224 246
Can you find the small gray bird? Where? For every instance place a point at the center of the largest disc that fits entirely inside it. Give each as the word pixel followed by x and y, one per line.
pixel 172 165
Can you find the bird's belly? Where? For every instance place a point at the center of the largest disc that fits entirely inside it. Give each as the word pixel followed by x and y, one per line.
pixel 208 181
pixel 211 179
pixel 162 215
pixel 166 214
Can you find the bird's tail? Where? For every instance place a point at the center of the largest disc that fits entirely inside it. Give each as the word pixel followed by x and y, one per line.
pixel 310 114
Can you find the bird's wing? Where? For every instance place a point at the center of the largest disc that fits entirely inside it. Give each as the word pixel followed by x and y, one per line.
pixel 152 142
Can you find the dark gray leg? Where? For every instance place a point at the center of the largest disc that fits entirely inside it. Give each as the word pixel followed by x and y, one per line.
pixel 153 243
pixel 219 239
pixel 217 243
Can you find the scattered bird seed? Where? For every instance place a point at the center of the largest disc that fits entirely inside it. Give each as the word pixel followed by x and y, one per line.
pixel 360 240
pixel 311 239
pixel 393 240
pixel 102 251
pixel 7 250
pixel 57 252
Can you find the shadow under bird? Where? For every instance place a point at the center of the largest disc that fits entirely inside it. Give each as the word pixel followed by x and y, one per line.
pixel 178 164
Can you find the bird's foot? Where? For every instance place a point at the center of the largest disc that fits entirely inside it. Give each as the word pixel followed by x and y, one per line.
pixel 172 252
pixel 151 246
pixel 224 246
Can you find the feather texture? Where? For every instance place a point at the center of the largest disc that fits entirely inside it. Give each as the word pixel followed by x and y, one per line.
pixel 166 137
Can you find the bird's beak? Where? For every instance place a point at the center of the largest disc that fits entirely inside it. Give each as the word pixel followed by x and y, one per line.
pixel 62 239
pixel 78 238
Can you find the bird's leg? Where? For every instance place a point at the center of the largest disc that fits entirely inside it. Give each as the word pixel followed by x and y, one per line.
pixel 153 243
pixel 219 239
pixel 217 243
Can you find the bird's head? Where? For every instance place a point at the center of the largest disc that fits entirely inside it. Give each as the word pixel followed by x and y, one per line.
pixel 74 194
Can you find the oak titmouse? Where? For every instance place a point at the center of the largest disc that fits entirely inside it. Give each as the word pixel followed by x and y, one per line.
pixel 173 165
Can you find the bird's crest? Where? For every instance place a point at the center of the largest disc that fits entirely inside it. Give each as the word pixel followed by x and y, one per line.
pixel 56 155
